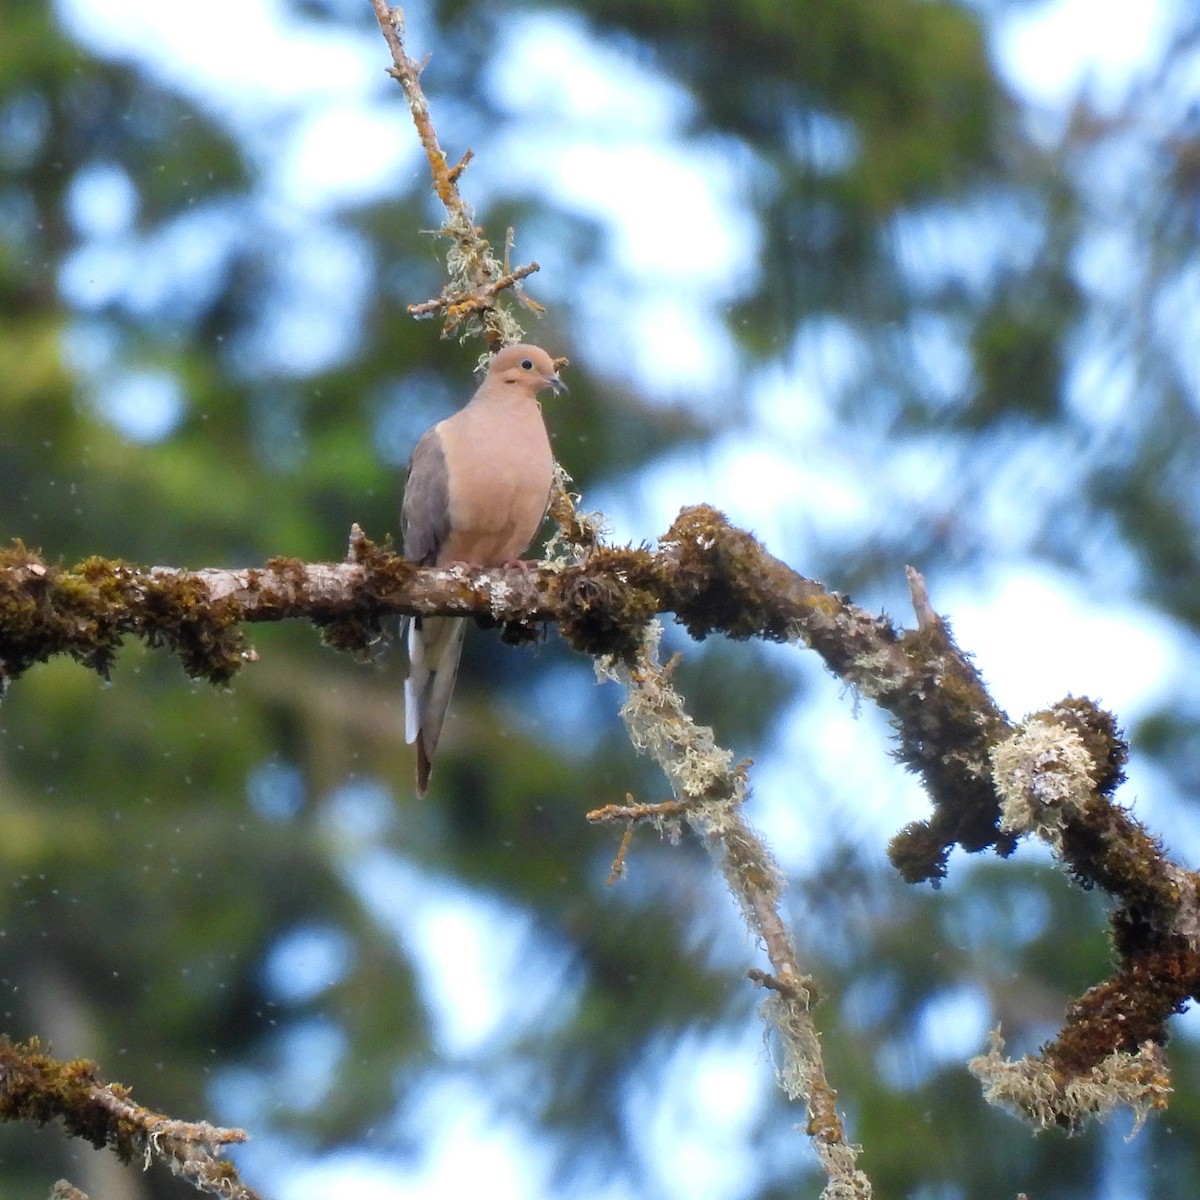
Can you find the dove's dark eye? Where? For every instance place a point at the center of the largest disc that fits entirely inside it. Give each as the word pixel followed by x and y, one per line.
pixel 527 364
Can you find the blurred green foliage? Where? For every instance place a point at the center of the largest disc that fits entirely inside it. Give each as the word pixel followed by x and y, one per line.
pixel 167 847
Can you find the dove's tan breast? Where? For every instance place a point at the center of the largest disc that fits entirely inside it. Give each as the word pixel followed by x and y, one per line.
pixel 498 500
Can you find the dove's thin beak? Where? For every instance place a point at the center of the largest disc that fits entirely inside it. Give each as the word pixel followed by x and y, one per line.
pixel 560 388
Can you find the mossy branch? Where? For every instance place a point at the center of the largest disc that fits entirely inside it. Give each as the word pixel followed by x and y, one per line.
pixel 36 1087
pixel 714 577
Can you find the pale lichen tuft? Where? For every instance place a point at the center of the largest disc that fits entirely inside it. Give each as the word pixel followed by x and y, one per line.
pixel 1042 1096
pixel 1043 775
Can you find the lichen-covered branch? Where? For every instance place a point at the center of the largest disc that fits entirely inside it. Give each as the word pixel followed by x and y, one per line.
pixel 36 1087
pixel 710 790
pixel 716 578
pixel 1055 777
pixel 65 1190
pixel 1031 1089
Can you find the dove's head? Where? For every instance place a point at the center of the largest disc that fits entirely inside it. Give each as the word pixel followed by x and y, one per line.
pixel 526 367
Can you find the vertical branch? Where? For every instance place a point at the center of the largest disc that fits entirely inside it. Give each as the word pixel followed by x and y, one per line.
pixel 408 74
pixel 468 302
pixel 578 534
pixel 710 791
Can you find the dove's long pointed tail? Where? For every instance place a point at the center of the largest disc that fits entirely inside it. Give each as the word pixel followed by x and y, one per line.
pixel 434 646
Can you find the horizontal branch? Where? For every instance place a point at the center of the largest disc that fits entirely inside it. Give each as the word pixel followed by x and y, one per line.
pixel 715 578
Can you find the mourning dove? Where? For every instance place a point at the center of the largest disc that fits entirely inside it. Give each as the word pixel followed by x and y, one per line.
pixel 478 487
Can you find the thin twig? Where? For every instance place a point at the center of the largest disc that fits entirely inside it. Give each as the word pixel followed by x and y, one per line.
pixel 617 870
pixel 616 814
pixel 458 307
pixel 476 276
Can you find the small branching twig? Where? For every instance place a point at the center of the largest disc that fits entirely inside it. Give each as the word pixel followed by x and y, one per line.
pixel 633 813
pixel 664 816
pixel 459 307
